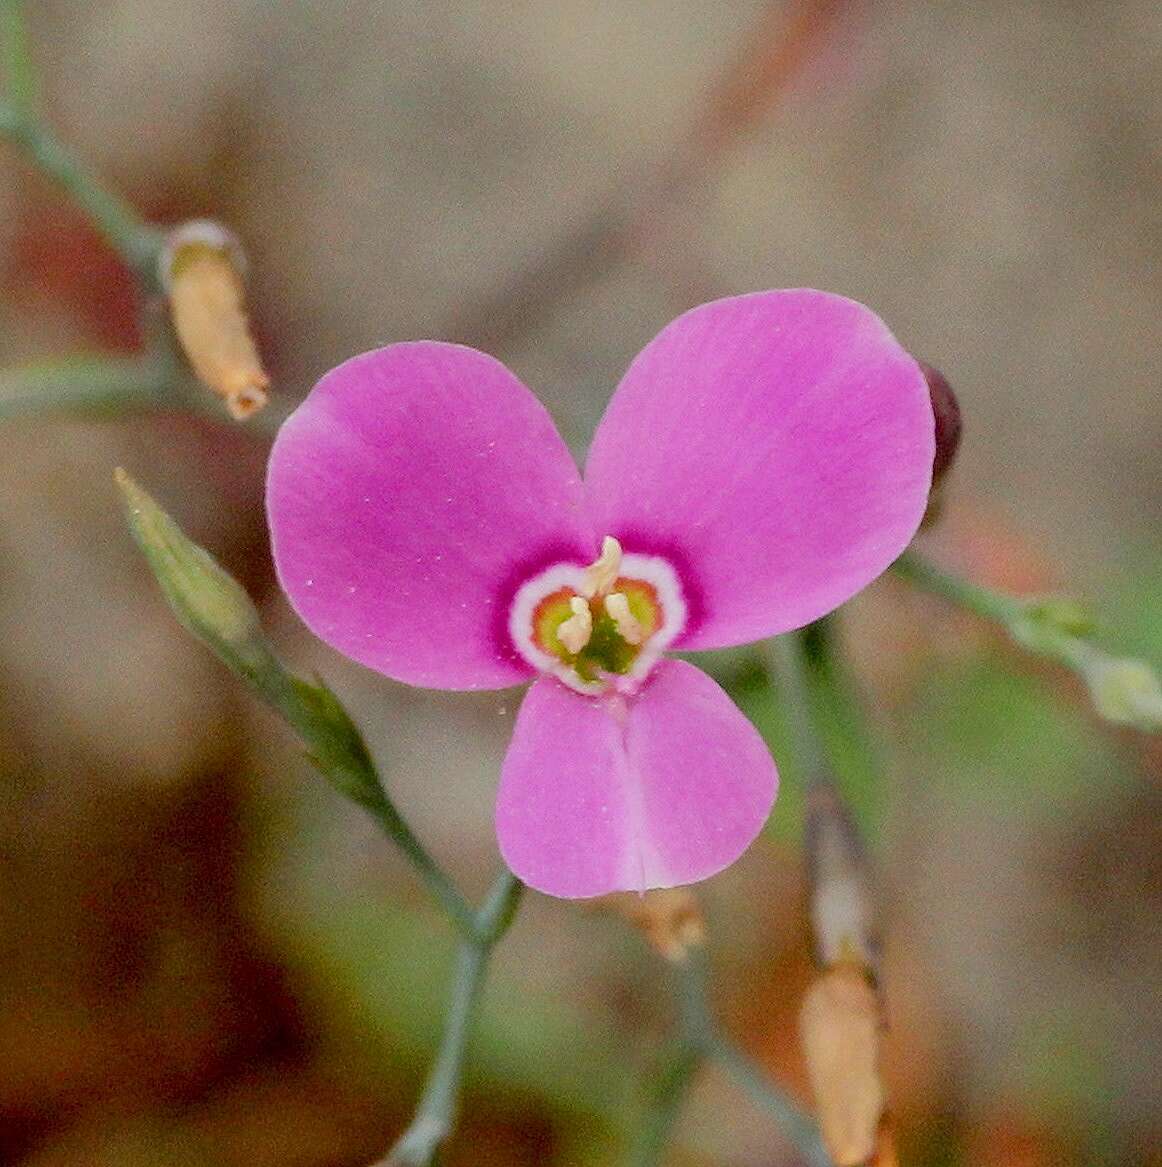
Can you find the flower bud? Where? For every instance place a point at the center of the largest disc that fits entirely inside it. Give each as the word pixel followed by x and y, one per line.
pixel 201 270
pixel 1125 691
pixel 207 600
pixel 1062 613
pixel 670 919
pixel 840 1028
pixel 946 410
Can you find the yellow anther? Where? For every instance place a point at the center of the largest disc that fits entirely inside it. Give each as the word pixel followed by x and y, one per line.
pixel 626 622
pixel 600 575
pixel 574 632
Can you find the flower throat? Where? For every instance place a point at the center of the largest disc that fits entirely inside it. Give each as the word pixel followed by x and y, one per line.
pixel 602 625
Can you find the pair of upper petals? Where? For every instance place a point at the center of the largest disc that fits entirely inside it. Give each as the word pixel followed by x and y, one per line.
pixel 776 448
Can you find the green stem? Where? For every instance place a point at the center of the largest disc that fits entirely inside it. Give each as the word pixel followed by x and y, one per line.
pixel 983 601
pixel 823 714
pixel 89 385
pixel 787 1114
pixel 442 888
pixel 670 1082
pixel 700 1040
pixel 665 1093
pixel 1032 623
pixel 211 604
pixel 351 770
pixel 435 1116
pixel 1125 691
pixel 785 656
pixel 131 237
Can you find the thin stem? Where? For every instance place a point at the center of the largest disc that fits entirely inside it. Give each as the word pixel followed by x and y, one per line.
pixel 131 237
pixel 18 71
pixel 436 1112
pixel 213 606
pixel 343 758
pixel 786 1113
pixel 670 1082
pixel 496 914
pixel 89 385
pixel 823 713
pixel 785 656
pixel 696 1017
pixel 700 1040
pixel 842 897
pixel 700 1026
pixel 447 894
pixel 103 387
pixel 665 1092
pixel 435 1116
pixel 983 601
pixel 1124 691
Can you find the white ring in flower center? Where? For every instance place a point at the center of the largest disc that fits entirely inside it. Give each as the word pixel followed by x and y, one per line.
pixel 649 569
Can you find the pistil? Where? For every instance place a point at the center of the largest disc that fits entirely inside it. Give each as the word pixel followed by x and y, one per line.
pixel 601 574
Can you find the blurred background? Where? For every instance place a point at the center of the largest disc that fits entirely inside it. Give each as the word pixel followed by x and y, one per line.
pixel 206 957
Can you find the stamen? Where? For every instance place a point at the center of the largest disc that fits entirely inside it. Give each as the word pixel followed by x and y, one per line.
pixel 599 576
pixel 626 622
pixel 574 633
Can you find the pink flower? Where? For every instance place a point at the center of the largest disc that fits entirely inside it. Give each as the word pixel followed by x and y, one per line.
pixel 763 459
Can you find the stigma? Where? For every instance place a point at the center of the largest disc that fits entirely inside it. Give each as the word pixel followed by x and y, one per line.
pixel 600 626
pixel 601 574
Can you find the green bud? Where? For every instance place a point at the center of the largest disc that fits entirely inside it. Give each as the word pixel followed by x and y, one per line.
pixel 207 600
pixel 1062 613
pixel 212 605
pixel 1126 692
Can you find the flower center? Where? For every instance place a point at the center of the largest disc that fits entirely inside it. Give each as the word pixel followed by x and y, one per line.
pixel 599 626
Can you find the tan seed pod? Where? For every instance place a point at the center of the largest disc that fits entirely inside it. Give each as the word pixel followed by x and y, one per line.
pixel 201 270
pixel 840 1027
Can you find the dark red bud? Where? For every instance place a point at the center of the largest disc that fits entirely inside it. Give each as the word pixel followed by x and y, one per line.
pixel 948 426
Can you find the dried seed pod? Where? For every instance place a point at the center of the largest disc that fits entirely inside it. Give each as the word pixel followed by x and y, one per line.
pixel 840 1027
pixel 201 269
pixel 670 918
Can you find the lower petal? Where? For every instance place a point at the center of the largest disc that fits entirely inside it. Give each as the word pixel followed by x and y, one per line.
pixel 600 794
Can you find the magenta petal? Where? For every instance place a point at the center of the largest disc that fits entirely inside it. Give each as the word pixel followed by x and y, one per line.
pixel 408 496
pixel 608 794
pixel 778 447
